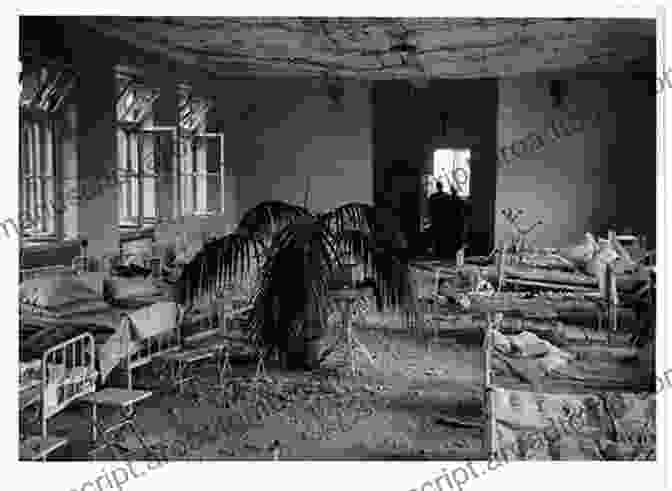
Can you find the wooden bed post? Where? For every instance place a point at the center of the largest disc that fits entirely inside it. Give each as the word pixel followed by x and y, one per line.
pixel 126 346
pixel 433 305
pixel 45 394
pixel 610 297
pixel 501 259
pixel 129 368
pixel 490 429
pixel 613 298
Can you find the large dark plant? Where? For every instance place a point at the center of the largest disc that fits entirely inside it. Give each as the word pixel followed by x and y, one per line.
pixel 296 254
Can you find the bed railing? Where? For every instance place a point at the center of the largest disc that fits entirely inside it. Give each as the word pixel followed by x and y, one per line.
pixel 141 352
pixel 68 373
pixel 31 273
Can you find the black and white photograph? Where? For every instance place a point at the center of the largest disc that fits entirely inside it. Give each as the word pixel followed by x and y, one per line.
pixel 337 238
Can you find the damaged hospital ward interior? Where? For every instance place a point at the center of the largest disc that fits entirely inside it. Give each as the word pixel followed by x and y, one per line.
pixel 302 238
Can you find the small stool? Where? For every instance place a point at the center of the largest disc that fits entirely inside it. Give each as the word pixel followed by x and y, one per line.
pixel 122 400
pixel 180 361
pixel 38 448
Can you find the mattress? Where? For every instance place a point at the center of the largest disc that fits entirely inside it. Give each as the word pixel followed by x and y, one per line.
pixel 599 426
pixel 39 333
pixel 30 381
pixel 547 270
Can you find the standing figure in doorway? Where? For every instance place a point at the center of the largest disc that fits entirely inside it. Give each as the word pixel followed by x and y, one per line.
pixel 447 213
pixel 438 209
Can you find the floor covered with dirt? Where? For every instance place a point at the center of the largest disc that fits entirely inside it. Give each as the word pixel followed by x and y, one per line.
pixel 418 402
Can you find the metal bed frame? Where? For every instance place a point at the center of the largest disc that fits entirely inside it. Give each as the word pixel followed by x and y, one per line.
pixel 211 343
pixel 31 273
pixel 57 390
pixel 142 352
pixel 77 356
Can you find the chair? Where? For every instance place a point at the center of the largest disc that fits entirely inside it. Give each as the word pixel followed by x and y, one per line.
pixel 428 311
pixel 123 401
pixel 38 448
pixel 181 361
pixel 212 344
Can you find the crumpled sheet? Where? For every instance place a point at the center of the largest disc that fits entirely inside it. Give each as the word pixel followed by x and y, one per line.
pixel 601 426
pixel 528 356
pixel 542 365
pixel 154 319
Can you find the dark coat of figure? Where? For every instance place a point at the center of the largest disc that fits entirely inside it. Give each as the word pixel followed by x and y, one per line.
pixel 448 214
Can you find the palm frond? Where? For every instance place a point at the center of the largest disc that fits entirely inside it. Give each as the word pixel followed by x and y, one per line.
pixel 377 221
pixel 268 218
pixel 293 292
pixel 297 254
pixel 387 266
pixel 385 227
pixel 358 216
pixel 218 263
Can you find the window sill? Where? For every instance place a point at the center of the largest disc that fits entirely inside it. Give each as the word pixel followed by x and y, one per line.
pixel 200 214
pixel 127 234
pixel 37 245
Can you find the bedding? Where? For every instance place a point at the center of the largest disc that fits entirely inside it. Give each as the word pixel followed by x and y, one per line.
pixel 104 324
pixel 137 252
pixel 546 261
pixel 598 426
pixel 30 394
pixel 117 288
pixel 30 373
pixel 580 254
pixel 56 291
pixel 528 356
pixel 68 310
pixel 154 319
pixel 43 326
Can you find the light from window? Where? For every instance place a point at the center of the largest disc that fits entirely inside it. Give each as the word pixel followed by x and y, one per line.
pixel 452 168
pixel 38 178
pixel 134 102
pixel 193 175
pixel 43 92
pixel 137 153
pixel 45 88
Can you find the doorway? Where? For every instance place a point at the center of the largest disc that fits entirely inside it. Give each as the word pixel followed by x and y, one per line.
pixel 452 168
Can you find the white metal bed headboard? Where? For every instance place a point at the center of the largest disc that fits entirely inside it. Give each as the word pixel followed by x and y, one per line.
pixel 142 352
pixel 31 273
pixel 68 373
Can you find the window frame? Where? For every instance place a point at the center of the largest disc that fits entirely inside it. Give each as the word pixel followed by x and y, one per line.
pixel 43 102
pixel 448 176
pixel 132 172
pixel 192 134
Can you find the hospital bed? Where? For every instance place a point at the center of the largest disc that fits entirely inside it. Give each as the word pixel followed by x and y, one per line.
pixel 64 373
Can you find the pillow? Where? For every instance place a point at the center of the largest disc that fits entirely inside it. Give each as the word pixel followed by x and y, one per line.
pixel 56 291
pixel 581 254
pixel 186 247
pixel 63 311
pixel 527 344
pixel 127 288
pixel 604 256
pixel 94 280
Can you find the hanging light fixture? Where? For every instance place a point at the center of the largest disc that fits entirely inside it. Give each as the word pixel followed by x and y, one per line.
pixel 558 90
pixel 335 91
pixel 408 53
